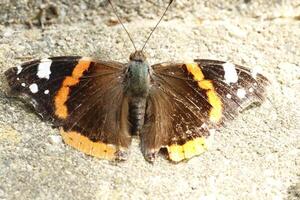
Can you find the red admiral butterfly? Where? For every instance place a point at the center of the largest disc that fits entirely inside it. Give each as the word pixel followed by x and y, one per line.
pixel 99 105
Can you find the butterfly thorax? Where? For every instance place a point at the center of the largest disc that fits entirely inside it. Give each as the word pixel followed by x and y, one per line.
pixel 137 89
pixel 138 77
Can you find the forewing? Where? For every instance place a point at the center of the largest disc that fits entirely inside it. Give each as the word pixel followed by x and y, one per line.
pixel 38 81
pixel 237 86
pixel 188 102
pixel 82 96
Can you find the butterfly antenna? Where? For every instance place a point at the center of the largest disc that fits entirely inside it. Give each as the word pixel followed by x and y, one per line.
pixel 115 12
pixel 171 1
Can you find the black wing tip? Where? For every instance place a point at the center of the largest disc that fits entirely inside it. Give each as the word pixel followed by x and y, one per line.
pixel 209 61
pixel 265 81
pixel 65 58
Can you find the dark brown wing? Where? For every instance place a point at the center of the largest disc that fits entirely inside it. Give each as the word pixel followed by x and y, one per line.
pixel 38 81
pixel 82 96
pixel 188 102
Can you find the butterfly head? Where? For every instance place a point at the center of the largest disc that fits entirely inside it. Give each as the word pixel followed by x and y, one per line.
pixel 137 56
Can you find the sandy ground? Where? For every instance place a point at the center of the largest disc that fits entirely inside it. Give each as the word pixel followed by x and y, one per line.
pixel 256 156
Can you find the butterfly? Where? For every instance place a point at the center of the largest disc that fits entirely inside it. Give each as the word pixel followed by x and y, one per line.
pixel 100 105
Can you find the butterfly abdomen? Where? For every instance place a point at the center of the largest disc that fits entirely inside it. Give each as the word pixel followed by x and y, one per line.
pixel 137 107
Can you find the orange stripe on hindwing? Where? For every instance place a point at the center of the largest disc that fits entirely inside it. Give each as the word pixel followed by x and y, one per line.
pixel 62 95
pixel 188 150
pixel 215 113
pixel 84 144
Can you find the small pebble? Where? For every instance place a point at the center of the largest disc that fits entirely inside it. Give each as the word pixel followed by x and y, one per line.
pixel 55 139
pixel 2 193
pixel 235 30
pixel 8 32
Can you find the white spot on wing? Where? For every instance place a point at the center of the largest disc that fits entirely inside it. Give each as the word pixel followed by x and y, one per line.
pixel 46 92
pixel 230 73
pixel 241 93
pixel 44 68
pixel 23 84
pixel 34 88
pixel 228 96
pixel 86 59
pixel 251 89
pixel 255 71
pixel 19 68
pixel 204 125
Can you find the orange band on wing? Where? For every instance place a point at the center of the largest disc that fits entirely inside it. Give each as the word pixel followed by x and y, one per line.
pixel 215 113
pixel 62 95
pixel 191 148
pixel 206 84
pixel 195 70
pixel 85 145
